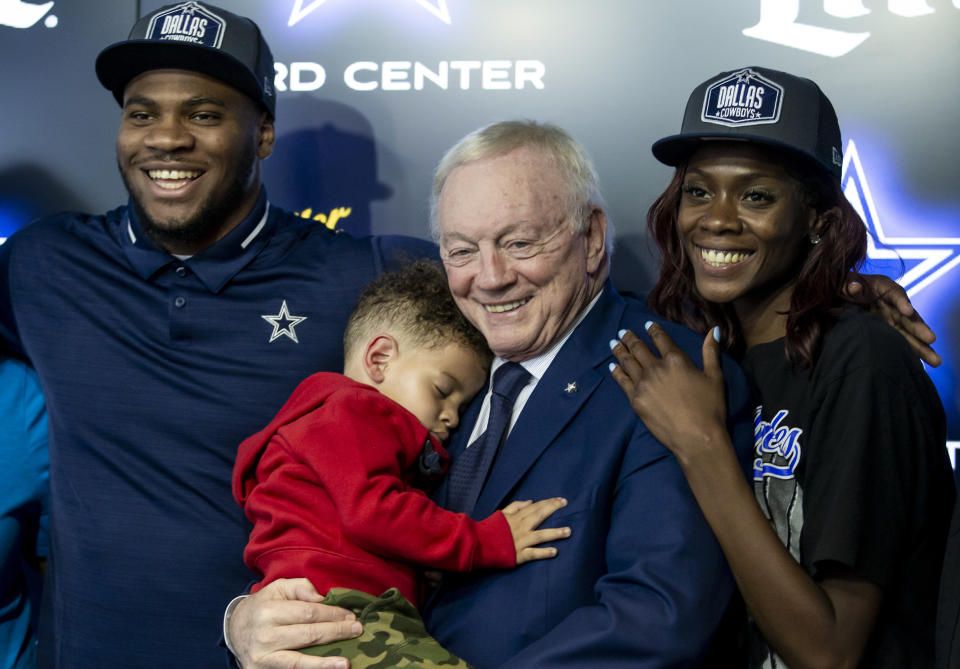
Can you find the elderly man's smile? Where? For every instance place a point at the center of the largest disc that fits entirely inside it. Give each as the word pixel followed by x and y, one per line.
pixel 505 306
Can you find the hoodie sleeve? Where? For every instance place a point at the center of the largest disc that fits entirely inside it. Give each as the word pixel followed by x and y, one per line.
pixel 356 450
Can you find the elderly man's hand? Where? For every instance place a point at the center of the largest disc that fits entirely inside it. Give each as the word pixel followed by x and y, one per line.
pixel 265 628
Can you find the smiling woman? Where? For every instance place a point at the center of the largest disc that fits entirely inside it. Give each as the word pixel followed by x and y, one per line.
pixel 838 547
pixel 743 220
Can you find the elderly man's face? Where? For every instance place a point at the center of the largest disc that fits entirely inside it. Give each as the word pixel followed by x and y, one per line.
pixel 516 268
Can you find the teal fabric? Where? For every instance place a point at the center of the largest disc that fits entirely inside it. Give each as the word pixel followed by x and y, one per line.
pixel 24 466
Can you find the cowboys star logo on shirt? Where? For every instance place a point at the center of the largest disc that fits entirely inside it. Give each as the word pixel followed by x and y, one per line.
pixel 283 323
pixel 742 98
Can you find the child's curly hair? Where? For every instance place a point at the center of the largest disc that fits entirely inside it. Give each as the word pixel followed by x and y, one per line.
pixel 415 304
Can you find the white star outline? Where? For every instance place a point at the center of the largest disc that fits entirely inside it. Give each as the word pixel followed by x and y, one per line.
pixel 437 7
pixel 936 255
pixel 283 316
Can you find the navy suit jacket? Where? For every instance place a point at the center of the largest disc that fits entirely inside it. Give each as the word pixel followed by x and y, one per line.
pixel 642 581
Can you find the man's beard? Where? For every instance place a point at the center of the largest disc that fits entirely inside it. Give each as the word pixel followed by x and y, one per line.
pixel 205 226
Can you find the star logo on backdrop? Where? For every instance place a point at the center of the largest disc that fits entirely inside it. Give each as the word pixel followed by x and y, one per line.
pixel 917 261
pixel 436 7
pixel 283 323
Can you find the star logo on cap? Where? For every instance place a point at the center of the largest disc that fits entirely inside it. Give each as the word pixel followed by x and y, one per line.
pixel 922 260
pixel 283 323
pixel 436 7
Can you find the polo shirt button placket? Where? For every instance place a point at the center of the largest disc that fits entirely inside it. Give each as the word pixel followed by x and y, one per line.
pixel 181 271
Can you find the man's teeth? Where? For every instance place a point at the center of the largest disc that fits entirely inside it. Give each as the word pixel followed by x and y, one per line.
pixel 716 258
pixel 509 306
pixel 172 179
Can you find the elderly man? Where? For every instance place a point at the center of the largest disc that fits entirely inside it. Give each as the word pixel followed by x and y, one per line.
pixel 641 582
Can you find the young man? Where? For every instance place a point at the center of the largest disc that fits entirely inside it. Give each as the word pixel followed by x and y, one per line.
pixel 329 483
pixel 163 333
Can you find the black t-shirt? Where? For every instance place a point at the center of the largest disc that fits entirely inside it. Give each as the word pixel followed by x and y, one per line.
pixel 851 469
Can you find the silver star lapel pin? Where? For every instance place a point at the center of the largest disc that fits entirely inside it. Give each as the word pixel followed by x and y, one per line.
pixel 571 388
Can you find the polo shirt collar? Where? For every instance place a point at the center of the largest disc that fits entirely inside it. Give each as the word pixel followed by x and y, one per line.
pixel 216 265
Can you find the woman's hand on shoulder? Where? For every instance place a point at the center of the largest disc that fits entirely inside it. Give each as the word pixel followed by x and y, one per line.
pixel 681 405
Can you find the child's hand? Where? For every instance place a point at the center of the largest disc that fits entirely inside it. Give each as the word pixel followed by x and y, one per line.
pixel 524 518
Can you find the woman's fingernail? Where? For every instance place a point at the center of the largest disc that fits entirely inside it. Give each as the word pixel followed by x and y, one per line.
pixel 612 366
pixel 621 333
pixel 716 333
pixel 648 325
pixel 613 344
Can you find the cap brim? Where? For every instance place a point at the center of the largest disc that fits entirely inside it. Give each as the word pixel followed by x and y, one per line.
pixel 119 63
pixel 675 150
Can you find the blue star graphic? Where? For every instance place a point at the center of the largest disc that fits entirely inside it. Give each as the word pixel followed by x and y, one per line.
pixel 436 7
pixel 283 323
pixel 915 262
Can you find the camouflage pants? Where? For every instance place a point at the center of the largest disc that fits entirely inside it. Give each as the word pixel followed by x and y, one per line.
pixel 393 634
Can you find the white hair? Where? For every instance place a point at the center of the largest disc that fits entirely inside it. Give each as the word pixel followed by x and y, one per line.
pixel 501 138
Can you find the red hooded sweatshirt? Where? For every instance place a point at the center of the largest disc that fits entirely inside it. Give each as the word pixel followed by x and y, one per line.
pixel 327 486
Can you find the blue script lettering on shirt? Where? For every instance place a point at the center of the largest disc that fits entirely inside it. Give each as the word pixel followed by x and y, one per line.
pixel 777 446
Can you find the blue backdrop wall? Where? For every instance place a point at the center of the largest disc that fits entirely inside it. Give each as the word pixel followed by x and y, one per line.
pixel 373 91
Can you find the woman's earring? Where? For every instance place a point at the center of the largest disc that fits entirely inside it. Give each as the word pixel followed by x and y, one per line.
pixel 814 238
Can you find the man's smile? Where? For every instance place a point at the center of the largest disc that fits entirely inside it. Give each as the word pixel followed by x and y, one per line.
pixel 506 306
pixel 173 179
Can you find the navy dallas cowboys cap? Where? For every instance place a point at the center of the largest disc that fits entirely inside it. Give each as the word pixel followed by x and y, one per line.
pixel 198 37
pixel 759 105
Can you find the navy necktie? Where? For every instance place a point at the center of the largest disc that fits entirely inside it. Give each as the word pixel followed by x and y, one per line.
pixel 469 471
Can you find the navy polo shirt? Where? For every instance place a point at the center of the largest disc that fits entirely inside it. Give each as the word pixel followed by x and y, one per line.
pixel 154 370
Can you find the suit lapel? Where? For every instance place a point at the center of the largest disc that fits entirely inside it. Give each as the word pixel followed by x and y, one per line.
pixel 554 401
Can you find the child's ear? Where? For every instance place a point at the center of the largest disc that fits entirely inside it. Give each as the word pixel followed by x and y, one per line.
pixel 380 350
